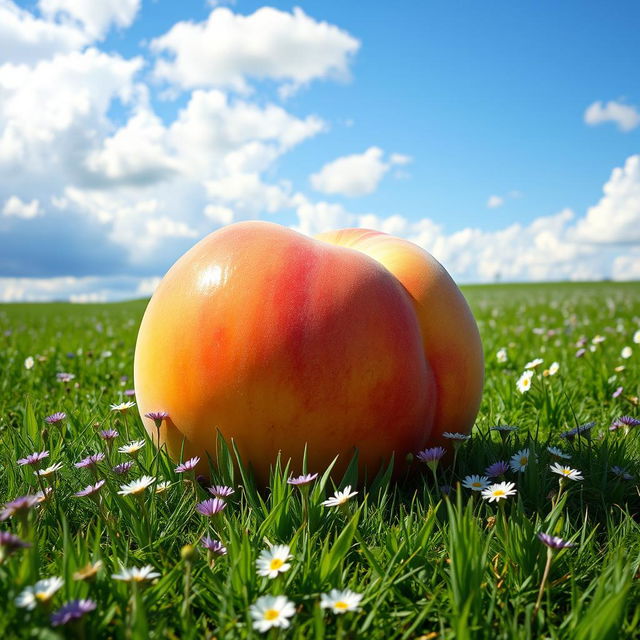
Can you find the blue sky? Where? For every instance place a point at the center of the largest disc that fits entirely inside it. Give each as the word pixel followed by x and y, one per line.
pixel 502 137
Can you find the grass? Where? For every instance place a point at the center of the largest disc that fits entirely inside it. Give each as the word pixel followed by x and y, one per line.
pixel 431 559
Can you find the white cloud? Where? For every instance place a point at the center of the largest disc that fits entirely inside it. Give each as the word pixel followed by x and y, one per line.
pixel 16 207
pixel 400 159
pixel 356 174
pixel 495 201
pixel 627 267
pixel 616 218
pixel 95 16
pixel 229 48
pixel 625 116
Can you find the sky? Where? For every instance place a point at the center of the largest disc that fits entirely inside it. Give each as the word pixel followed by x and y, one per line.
pixel 503 138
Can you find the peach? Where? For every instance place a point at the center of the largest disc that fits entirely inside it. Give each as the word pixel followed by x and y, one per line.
pixel 354 339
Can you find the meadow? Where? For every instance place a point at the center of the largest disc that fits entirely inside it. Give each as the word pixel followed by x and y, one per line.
pixel 113 555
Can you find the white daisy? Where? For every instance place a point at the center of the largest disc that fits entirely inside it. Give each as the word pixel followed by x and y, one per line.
pixel 520 460
pixel 476 483
pixel 499 491
pixel 136 574
pixel 273 561
pixel 29 362
pixel 501 355
pixel 636 337
pixel 524 381
pixel 455 435
pixel 534 363
pixel 137 486
pixel 627 352
pixel 566 472
pixel 558 453
pixel 339 497
pixel 49 470
pixel 161 487
pixel 341 601
pixel 41 592
pixel 132 448
pixel 271 611
pixel 598 339
pixel 553 369
pixel 122 407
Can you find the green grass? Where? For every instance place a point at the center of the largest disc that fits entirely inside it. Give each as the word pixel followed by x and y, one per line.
pixel 427 565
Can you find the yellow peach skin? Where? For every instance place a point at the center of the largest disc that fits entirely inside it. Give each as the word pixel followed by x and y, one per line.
pixel 354 339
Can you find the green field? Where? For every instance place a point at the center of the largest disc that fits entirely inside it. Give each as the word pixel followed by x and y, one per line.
pixel 430 558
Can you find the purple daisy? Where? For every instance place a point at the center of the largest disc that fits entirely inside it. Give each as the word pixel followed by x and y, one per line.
pixel 221 491
pixel 621 473
pixel 72 610
pixel 123 467
pixel 580 353
pixel 211 507
pixel 497 469
pixel 624 422
pixel 34 459
pixel 9 543
pixel 188 465
pixel 19 505
pixel 109 434
pixel 90 461
pixel 215 546
pixel 129 393
pixel 580 430
pixel 618 392
pixel 553 542
pixel 54 418
pixel 90 489
pixel 64 377
pixel 157 417
pixel 305 478
pixel 431 455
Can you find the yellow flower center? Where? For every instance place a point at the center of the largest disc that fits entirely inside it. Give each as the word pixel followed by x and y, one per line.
pixel 566 472
pixel 271 614
pixel 275 564
pixel 524 460
pixel 498 492
pixel 476 484
pixel 42 596
pixel 340 605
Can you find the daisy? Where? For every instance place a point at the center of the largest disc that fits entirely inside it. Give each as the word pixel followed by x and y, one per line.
pixel 520 460
pixel 273 561
pixel 90 462
pixel 504 428
pixel 137 486
pixel 109 434
pixel 9 543
pixel 627 352
pixel 621 473
pixel 501 355
pixel 598 339
pixel 341 601
pixel 580 430
pixel 566 472
pixel 188 465
pixel 534 363
pixel 157 417
pixel 73 610
pixel 161 487
pixel 55 417
pixel 524 381
pixel 553 542
pixel 88 572
pixel 558 453
pixel 431 457
pixel 618 392
pixel 215 546
pixel 123 407
pixel 19 506
pixel 636 337
pixel 271 611
pixel 476 483
pixel 624 422
pixel 64 377
pixel 29 362
pixel 41 592
pixel 221 491
pixel 497 469
pixel 132 448
pixel 136 574
pixel 211 507
pixel 49 470
pixel 302 480
pixel 339 497
pixel 455 436
pixel 90 489
pixel 580 353
pixel 34 459
pixel 499 491
pixel 123 467
pixel 552 370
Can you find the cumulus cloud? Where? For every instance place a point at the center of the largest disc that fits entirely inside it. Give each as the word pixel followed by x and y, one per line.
pixel 16 207
pixel 625 116
pixel 495 201
pixel 356 174
pixel 228 49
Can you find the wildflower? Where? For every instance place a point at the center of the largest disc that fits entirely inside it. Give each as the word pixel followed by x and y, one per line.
pixel 34 459
pixel 621 473
pixel 90 462
pixel 28 363
pixel 497 469
pixel 90 489
pixel 136 574
pixel 302 479
pixel 580 430
pixel 341 601
pixel 455 436
pixel 580 353
pixel 41 592
pixel 476 483
pixel 211 507
pixel 54 418
pixel 9 543
pixel 88 572
pixel 123 468
pixel 129 393
pixel 42 496
pixel 524 381
pixel 271 611
pixel 161 487
pixel 499 491
pixel 552 370
pixel 534 363
pixel 157 417
pixel 221 491
pixel 624 422
pixel 19 506
pixel 339 497
pixel 137 486
pixel 215 546
pixel 273 561
pixel 626 353
pixel 123 407
pixel 558 453
pixel 504 428
pixel 566 472
pixel 109 434
pixel 64 377
pixel 553 542
pixel 188 465
pixel 73 610
pixel 598 339
pixel 520 460
pixel 636 337
pixel 501 355
pixel 132 448
pixel 49 471
pixel 431 457
pixel 618 392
